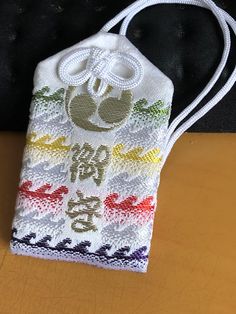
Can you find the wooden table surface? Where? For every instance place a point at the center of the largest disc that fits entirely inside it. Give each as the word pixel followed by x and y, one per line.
pixel 192 265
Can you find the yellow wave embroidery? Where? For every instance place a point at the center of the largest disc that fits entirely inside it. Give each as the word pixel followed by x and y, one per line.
pixel 44 142
pixel 134 154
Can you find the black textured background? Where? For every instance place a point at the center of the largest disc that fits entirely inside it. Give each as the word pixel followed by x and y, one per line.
pixel 184 42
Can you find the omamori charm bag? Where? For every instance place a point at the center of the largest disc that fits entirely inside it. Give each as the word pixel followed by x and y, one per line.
pixel 97 140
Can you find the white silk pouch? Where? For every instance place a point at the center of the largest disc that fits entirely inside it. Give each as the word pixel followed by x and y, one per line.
pixel 97 139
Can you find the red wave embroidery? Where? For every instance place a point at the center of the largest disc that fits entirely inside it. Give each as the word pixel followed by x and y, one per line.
pixel 41 198
pixel 129 208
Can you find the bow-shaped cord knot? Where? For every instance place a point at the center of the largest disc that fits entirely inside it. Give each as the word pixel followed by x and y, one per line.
pixel 99 64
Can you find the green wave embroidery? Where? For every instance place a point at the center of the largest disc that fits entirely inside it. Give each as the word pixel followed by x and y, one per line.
pixel 156 110
pixel 40 95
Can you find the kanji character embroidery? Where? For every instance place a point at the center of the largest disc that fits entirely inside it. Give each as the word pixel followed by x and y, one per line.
pixel 86 208
pixel 89 162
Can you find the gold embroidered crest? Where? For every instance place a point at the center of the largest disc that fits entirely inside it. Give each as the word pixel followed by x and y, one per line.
pixel 111 110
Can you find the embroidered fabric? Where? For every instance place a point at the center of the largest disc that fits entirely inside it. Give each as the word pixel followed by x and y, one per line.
pixel 97 140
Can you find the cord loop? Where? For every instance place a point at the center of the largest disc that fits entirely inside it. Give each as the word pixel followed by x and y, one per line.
pixel 99 64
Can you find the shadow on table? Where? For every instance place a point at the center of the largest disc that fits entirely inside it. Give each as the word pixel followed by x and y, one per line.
pixel 11 150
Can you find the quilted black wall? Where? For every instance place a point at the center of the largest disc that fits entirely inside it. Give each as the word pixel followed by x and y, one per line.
pixel 184 42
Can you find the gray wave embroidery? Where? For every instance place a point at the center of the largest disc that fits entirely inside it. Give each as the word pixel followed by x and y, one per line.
pixel 142 135
pixel 59 125
pixel 116 236
pixel 53 174
pixel 124 184
pixel 46 224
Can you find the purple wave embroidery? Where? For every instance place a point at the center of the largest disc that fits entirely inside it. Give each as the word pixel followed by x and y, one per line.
pixel 123 254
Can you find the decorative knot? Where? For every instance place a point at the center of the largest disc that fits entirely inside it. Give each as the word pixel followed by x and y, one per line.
pixel 99 65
